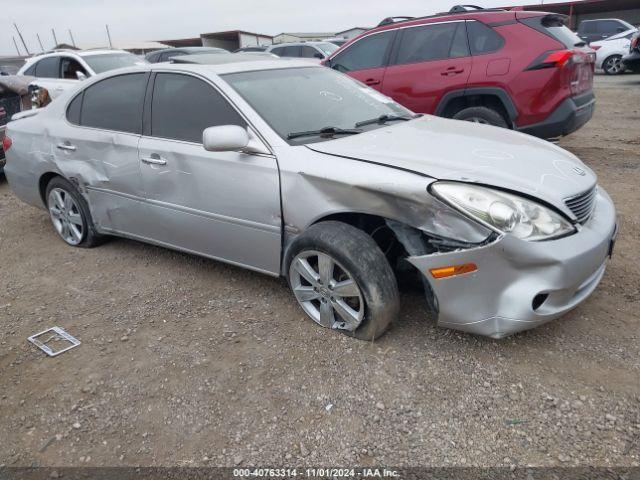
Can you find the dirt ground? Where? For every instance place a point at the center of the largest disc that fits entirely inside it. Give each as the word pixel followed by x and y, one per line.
pixel 186 361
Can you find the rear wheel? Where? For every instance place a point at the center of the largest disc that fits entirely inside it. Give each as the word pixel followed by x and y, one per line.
pixel 613 65
pixel 484 115
pixel 343 281
pixel 70 215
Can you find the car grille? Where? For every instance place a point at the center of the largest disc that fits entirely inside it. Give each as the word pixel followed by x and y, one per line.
pixel 582 205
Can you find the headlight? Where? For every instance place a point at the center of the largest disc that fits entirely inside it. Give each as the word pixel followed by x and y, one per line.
pixel 504 212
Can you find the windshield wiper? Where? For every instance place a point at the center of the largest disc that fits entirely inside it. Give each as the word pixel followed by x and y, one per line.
pixel 326 131
pixel 384 119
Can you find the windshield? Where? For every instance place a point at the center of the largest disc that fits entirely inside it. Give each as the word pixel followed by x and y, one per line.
pixel 327 48
pixel 307 99
pixel 111 61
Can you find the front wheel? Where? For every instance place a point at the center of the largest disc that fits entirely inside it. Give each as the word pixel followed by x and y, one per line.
pixel 613 65
pixel 343 281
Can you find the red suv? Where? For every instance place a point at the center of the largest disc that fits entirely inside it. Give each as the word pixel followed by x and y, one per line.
pixel 522 70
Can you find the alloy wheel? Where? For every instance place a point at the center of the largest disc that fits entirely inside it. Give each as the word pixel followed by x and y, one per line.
pixel 65 215
pixel 613 65
pixel 326 291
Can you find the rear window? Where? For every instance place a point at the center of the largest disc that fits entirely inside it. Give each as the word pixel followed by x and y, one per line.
pixel 483 39
pixel 554 27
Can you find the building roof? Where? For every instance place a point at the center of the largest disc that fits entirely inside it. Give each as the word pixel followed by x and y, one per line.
pixel 353 28
pixel 307 34
pixel 232 34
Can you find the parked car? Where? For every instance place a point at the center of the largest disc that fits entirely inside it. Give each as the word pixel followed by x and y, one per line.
pixel 257 48
pixel 609 52
pixel 62 69
pixel 319 50
pixel 521 70
pixel 632 60
pixel 14 97
pixel 295 170
pixel 595 30
pixel 337 41
pixel 167 54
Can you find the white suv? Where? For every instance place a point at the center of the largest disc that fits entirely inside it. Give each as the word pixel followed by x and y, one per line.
pixel 61 69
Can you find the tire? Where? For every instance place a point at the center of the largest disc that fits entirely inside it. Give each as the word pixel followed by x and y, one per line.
pixel 373 304
pixel 70 214
pixel 613 65
pixel 482 115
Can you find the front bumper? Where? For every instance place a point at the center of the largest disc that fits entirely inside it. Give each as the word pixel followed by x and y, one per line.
pixel 498 299
pixel 632 61
pixel 571 115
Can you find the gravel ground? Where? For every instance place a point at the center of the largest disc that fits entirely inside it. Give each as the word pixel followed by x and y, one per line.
pixel 186 361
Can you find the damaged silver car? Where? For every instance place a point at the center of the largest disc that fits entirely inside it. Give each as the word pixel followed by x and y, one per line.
pixel 295 170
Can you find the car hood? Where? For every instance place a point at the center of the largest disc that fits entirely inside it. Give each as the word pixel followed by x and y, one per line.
pixel 469 152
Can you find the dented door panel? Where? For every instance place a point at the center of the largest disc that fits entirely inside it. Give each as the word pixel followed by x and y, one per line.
pixel 224 205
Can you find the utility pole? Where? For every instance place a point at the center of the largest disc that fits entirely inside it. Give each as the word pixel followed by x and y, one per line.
pixel 16 45
pixel 73 42
pixel 55 40
pixel 22 39
pixel 109 37
pixel 40 42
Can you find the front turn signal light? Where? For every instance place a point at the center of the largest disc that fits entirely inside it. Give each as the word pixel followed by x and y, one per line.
pixel 453 270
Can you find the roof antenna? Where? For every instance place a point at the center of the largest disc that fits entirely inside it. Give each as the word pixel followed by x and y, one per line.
pixel 73 42
pixel 54 37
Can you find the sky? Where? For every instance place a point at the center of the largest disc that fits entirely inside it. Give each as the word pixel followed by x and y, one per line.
pixel 167 19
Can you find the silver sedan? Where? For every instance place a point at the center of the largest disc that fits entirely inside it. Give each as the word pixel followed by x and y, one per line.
pixel 292 169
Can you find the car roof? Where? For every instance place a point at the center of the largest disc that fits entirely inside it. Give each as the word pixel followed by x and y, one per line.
pixel 286 44
pixel 243 64
pixel 223 58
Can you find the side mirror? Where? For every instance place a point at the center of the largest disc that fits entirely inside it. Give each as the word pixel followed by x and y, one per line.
pixel 232 138
pixel 319 55
pixel 81 75
pixel 225 138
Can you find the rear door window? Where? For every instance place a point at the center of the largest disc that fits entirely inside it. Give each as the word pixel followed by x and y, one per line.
pixel 291 51
pixel 369 52
pixel 184 106
pixel 309 52
pixel 115 103
pixel 432 42
pixel 70 68
pixel 483 39
pixel 48 68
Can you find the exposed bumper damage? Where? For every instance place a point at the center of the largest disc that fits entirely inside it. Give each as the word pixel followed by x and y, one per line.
pixel 519 285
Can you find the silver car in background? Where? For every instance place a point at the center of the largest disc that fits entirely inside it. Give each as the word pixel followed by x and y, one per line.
pixel 295 170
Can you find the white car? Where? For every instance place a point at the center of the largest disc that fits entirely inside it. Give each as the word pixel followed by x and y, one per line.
pixel 609 52
pixel 62 69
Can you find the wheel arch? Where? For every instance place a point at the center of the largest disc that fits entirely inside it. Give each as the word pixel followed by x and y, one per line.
pixel 43 182
pixel 492 97
pixel 375 226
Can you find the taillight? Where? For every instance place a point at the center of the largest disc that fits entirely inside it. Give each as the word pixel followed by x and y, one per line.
pixel 555 59
pixel 6 143
pixel 596 47
pixel 558 59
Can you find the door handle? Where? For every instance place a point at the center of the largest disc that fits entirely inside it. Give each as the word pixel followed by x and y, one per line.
pixel 452 71
pixel 372 81
pixel 154 159
pixel 66 146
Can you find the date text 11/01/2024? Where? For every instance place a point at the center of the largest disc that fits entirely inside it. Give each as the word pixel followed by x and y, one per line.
pixel 315 472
